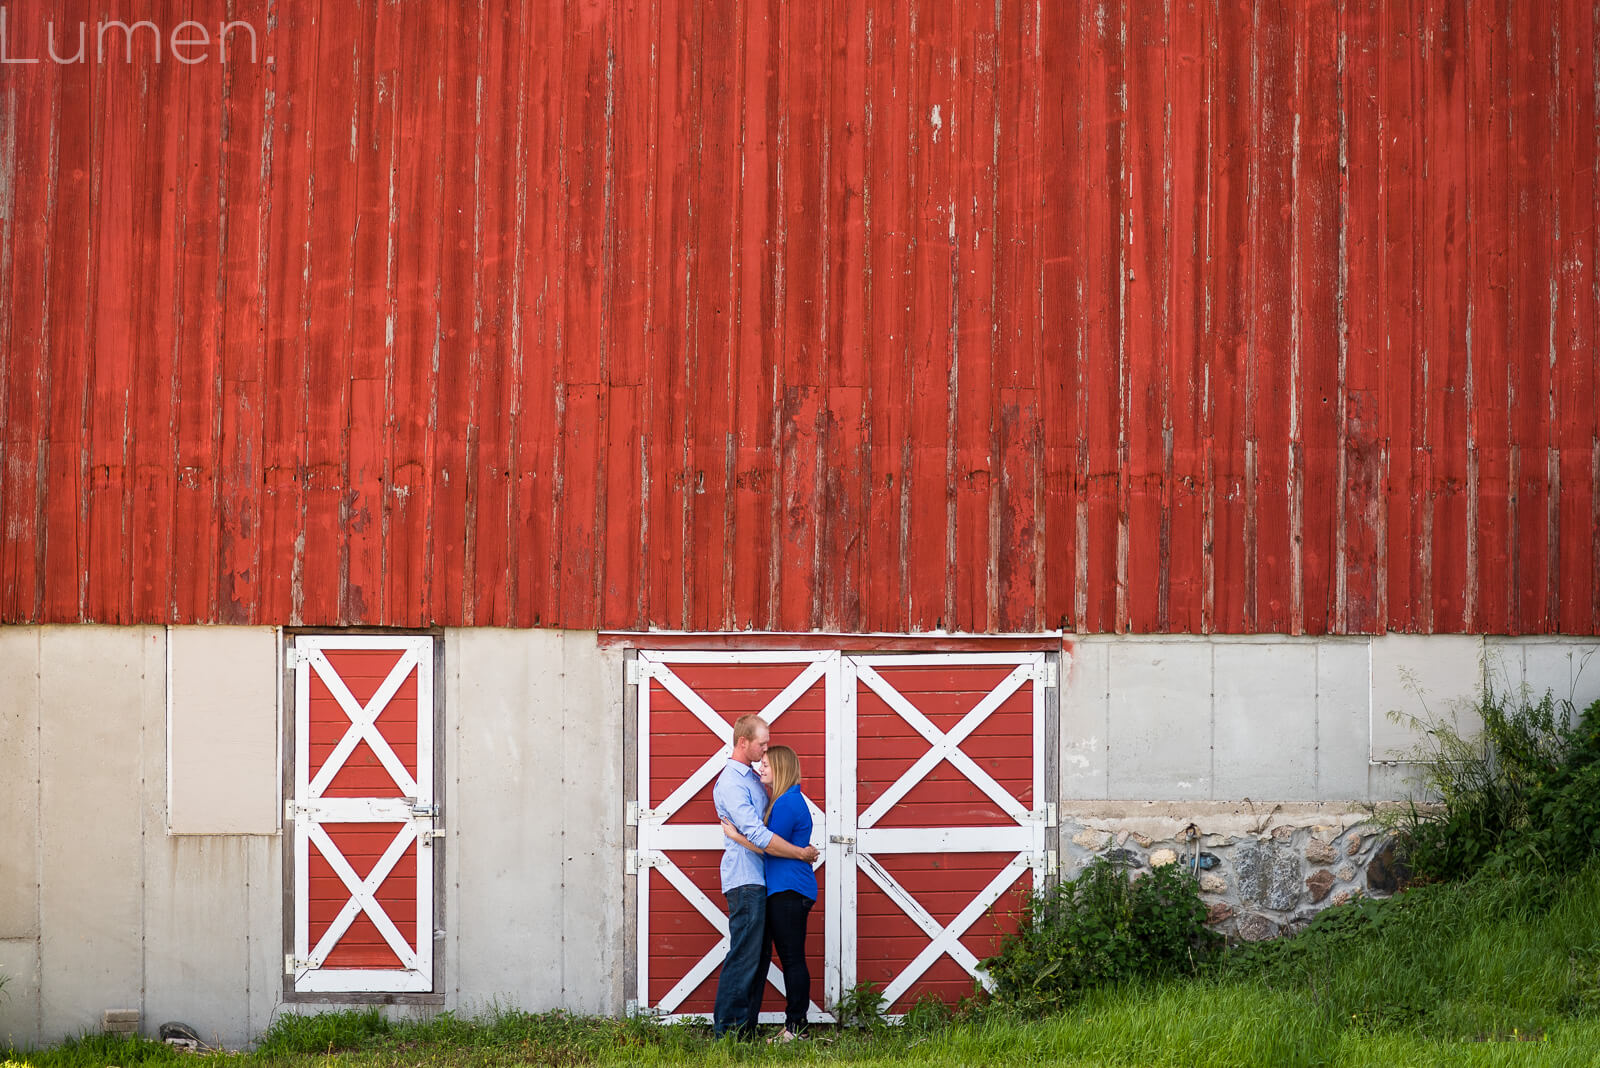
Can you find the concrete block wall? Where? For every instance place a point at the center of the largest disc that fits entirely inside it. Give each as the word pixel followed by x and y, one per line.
pixel 102 908
pixel 99 907
pixel 1221 718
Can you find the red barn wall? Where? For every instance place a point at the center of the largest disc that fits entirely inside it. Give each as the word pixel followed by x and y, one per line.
pixel 878 315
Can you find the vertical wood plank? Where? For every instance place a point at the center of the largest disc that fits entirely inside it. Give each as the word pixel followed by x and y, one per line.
pixel 1230 255
pixel 1533 310
pixel 1488 290
pixel 1147 228
pixel 1359 509
pixel 1100 461
pixel 886 191
pixel 110 282
pixel 365 509
pixel 1018 441
pixel 418 445
pixel 1401 118
pixel 1444 300
pixel 1270 389
pixel 1192 39
pixel 64 490
pixel 1574 564
pixel 846 474
pixel 247 220
pixel 286 117
pixel 32 171
pixel 802 239
pixel 1315 437
pixel 1057 306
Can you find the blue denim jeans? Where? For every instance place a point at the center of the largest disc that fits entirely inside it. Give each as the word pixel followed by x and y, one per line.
pixel 744 970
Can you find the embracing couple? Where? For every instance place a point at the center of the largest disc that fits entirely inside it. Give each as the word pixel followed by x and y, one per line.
pixel 767 879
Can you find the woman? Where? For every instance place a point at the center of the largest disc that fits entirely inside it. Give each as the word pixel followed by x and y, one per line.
pixel 791 884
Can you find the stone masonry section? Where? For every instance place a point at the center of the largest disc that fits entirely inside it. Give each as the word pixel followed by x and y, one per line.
pixel 1264 869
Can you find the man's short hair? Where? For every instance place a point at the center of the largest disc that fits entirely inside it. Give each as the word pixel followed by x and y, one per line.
pixel 747 726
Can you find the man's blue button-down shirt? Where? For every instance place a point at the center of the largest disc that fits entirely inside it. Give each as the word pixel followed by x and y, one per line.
pixel 741 800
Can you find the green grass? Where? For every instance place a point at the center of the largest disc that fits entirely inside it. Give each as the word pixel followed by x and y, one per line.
pixel 1497 971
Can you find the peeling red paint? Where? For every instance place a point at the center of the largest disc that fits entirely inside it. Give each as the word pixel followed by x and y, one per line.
pixel 882 316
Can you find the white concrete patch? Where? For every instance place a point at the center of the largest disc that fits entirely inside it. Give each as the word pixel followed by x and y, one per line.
pixel 534 913
pixel 1422 678
pixel 1085 711
pixel 1160 720
pixel 19 1002
pixel 196 934
pixel 503 909
pixel 92 683
pixel 222 775
pixel 1266 720
pixel 19 787
pixel 1344 713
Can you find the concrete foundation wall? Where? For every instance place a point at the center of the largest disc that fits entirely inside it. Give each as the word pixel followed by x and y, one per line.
pixel 102 908
pixel 1223 718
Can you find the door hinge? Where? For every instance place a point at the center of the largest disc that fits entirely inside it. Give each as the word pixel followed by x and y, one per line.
pixel 290 810
pixel 637 671
pixel 635 860
pixel 1048 675
pixel 293 657
pixel 293 964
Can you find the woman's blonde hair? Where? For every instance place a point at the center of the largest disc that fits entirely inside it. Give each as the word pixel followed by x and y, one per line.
pixel 785 772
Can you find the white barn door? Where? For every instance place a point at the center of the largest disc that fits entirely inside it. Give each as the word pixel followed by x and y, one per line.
pixel 362 814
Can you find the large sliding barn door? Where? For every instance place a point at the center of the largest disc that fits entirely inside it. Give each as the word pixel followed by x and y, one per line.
pixel 363 813
pixel 931 770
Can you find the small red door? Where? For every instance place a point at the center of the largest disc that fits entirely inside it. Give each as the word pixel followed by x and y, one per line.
pixel 362 813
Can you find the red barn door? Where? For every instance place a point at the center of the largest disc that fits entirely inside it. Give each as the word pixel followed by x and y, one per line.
pixel 930 770
pixel 948 813
pixel 363 813
pixel 687 704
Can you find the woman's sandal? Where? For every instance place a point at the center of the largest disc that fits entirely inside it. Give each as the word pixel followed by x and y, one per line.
pixel 785 1035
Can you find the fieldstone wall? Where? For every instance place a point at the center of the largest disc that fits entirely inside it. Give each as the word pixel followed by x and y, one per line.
pixel 1264 870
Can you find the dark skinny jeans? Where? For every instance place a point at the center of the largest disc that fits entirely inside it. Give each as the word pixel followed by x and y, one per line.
pixel 786 927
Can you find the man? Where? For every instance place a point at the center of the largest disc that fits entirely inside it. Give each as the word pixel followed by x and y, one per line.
pixel 742 801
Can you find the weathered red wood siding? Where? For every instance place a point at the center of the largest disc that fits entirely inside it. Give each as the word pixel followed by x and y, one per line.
pixel 881 315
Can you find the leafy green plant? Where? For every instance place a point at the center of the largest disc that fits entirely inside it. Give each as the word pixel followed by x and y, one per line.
pixel 1526 789
pixel 927 1014
pixel 1099 929
pixel 861 1007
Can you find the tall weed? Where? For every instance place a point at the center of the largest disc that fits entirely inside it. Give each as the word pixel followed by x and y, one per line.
pixel 1099 929
pixel 1523 791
